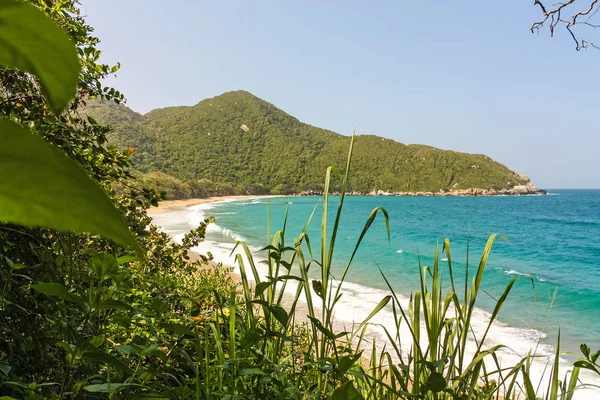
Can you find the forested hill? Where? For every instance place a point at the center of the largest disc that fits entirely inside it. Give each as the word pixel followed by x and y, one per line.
pixel 241 142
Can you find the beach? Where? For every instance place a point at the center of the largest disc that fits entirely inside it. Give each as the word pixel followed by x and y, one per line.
pixel 175 205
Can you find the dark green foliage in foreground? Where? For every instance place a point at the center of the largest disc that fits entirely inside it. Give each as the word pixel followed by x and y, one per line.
pixel 238 139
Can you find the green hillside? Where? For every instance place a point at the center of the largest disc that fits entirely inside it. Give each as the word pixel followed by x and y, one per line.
pixel 247 145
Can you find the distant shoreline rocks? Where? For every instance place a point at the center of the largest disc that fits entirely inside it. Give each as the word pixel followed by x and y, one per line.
pixel 519 190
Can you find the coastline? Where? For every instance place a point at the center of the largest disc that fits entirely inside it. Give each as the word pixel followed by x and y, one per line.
pixel 471 192
pixel 175 205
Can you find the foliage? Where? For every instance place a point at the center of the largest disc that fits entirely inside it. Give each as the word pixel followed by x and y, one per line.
pixel 72 200
pixel 239 139
pixel 81 317
pixel 174 188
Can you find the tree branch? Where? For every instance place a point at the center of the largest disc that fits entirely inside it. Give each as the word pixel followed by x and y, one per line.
pixel 554 17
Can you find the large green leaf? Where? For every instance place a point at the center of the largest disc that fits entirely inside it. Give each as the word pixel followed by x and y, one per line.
pixel 104 265
pixel 41 186
pixel 105 358
pixel 108 387
pixel 346 392
pixel 32 42
pixel 436 382
pixel 57 290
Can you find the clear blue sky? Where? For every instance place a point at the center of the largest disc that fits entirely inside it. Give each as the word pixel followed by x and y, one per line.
pixel 466 76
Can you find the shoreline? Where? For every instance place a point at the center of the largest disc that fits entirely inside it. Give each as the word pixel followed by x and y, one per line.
pixel 175 205
pixel 472 192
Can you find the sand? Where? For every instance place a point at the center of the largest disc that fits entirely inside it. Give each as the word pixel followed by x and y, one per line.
pixel 174 205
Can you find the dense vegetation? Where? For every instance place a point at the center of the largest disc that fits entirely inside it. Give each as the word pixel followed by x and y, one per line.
pixel 82 317
pixel 249 145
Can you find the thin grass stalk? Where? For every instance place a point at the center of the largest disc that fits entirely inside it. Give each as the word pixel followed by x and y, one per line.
pixel 570 389
pixel 368 224
pixel 413 333
pixel 232 331
pixel 471 297
pixel 553 384
pixel 297 243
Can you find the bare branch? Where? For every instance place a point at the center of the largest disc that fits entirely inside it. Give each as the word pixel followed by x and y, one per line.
pixel 553 16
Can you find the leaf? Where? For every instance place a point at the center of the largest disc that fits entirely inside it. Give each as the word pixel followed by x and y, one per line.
pixel 126 349
pixel 595 356
pixel 250 371
pixel 5 368
pixel 584 364
pixel 156 352
pixel 107 387
pixel 585 350
pixel 384 302
pixel 321 328
pixel 105 358
pixel 97 341
pixel 280 314
pixel 436 382
pixel 294 392
pixel 261 287
pixel 111 304
pixel 346 362
pixel 318 287
pixel 32 42
pixel 14 266
pixel 126 259
pixel 159 306
pixel 57 290
pixel 346 392
pixel 104 265
pixel 42 187
pixel 177 328
pixel 250 339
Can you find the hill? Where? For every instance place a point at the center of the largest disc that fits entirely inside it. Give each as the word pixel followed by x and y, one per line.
pixel 244 144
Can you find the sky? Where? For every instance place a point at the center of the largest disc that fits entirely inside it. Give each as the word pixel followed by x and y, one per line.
pixel 467 76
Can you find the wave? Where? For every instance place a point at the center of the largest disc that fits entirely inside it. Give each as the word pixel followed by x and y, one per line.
pixel 556 220
pixel 400 251
pixel 514 272
pixel 198 213
pixel 214 228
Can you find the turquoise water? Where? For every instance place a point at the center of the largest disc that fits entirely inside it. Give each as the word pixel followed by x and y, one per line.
pixel 555 239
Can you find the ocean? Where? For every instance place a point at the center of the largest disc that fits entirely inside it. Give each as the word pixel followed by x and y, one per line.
pixel 551 242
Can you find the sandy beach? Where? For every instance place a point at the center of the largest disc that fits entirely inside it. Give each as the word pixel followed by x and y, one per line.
pixel 174 205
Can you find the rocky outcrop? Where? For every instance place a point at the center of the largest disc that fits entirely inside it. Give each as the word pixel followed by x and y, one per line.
pixel 519 190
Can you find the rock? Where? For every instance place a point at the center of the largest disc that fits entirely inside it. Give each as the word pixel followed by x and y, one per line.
pixel 526 189
pixel 518 190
